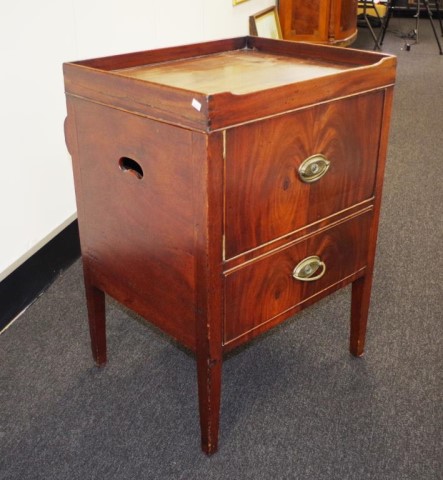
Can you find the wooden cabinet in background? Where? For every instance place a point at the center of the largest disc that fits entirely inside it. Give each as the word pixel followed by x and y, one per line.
pixel 331 22
pixel 224 186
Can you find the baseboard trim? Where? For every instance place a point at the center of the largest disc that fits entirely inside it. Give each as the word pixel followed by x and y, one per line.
pixel 21 287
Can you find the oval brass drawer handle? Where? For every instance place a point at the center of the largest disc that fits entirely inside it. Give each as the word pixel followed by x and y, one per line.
pixel 306 270
pixel 313 168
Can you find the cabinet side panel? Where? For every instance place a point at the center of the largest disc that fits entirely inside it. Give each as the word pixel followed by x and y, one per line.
pixel 134 177
pixel 346 18
pixel 304 20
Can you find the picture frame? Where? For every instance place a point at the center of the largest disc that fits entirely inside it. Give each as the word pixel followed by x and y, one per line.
pixel 236 2
pixel 266 23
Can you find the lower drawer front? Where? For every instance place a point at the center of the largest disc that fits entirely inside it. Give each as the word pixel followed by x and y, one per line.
pixel 259 292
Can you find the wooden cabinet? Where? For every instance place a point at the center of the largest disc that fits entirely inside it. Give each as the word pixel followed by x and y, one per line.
pixel 331 22
pixel 223 186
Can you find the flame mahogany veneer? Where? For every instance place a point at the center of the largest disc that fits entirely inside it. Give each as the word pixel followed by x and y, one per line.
pixel 332 22
pixel 191 208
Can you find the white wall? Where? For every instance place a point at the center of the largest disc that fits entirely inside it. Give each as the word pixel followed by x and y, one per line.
pixel 36 37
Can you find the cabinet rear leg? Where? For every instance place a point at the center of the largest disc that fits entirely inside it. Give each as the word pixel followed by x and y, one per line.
pixel 95 299
pixel 361 294
pixel 209 392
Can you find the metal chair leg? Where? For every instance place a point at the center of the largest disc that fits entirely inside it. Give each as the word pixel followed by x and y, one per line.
pixel 390 8
pixel 437 7
pixel 428 8
pixel 368 23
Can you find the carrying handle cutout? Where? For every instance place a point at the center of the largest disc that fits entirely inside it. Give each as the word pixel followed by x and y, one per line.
pixel 127 164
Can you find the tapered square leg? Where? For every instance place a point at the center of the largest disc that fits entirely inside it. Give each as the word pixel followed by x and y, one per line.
pixel 209 392
pixel 361 294
pixel 97 322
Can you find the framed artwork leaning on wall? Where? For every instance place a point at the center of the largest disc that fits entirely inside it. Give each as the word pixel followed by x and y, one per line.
pixel 265 23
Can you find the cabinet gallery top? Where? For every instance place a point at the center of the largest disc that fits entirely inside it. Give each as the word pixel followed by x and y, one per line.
pixel 213 85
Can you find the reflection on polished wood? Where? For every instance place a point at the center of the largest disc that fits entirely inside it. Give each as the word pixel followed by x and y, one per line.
pixel 239 72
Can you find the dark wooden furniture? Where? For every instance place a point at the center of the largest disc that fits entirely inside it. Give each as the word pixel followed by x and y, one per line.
pixel 224 186
pixel 332 22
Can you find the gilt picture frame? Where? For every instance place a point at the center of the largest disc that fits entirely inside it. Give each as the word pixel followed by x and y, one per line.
pixel 266 23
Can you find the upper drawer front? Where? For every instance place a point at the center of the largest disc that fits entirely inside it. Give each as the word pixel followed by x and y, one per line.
pixel 265 196
pixel 261 291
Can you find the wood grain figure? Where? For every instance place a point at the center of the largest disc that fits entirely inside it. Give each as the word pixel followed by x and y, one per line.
pixel 223 186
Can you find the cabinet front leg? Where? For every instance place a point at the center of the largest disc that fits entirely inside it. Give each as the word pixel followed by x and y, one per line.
pixel 95 299
pixel 209 392
pixel 361 294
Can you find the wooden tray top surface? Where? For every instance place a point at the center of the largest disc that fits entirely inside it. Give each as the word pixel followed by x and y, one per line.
pixel 238 72
pixel 214 85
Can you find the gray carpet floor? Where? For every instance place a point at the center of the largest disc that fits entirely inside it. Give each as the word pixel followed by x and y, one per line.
pixel 295 404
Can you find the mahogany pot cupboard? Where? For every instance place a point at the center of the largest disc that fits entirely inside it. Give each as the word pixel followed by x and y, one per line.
pixel 223 186
pixel 332 22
